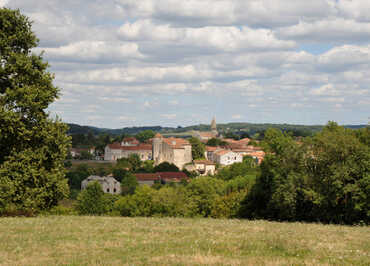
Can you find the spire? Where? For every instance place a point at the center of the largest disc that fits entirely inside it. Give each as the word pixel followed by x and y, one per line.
pixel 213 124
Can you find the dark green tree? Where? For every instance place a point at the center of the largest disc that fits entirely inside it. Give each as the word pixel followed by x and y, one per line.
pixel 91 200
pixel 166 167
pixel 135 162
pixel 216 142
pixel 197 148
pixel 128 184
pixel 145 135
pixel 32 145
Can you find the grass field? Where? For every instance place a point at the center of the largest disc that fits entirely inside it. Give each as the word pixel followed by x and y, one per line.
pixel 76 240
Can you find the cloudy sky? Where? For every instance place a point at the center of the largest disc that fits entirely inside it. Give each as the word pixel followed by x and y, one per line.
pixel 180 62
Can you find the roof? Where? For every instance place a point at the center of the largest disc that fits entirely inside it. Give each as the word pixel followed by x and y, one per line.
pixel 176 143
pixel 101 178
pixel 147 176
pixel 206 162
pixel 211 148
pixel 206 134
pixel 222 152
pixel 158 135
pixel 130 140
pixel 166 176
pixel 172 175
pixel 140 147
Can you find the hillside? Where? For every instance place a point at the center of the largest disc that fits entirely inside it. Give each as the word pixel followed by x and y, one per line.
pixel 249 128
pixel 78 240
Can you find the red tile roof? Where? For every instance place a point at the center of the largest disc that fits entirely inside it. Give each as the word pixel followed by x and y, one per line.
pixel 165 176
pixel 140 147
pixel 222 152
pixel 147 177
pixel 172 175
pixel 211 148
pixel 158 135
pixel 206 162
pixel 176 143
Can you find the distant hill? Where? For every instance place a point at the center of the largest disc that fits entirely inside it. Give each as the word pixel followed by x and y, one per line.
pixel 237 128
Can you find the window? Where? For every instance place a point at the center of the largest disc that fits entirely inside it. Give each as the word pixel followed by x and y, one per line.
pixel 114 190
pixel 107 189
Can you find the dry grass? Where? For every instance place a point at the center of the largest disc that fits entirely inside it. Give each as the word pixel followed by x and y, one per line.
pixel 76 240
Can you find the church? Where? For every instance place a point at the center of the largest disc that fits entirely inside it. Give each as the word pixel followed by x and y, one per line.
pixel 204 136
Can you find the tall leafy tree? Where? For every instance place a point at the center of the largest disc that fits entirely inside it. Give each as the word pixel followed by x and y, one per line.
pixel 197 148
pixel 32 145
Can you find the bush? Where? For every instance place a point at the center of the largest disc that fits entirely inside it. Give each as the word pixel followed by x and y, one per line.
pixel 91 200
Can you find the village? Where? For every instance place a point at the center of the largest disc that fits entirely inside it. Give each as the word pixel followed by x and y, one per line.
pixel 176 151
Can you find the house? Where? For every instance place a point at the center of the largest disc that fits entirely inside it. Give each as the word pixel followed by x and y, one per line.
pixel 227 157
pixel 172 150
pixel 108 183
pixel 76 152
pixel 205 167
pixel 160 177
pixel 124 149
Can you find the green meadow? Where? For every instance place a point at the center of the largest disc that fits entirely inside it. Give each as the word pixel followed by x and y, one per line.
pixel 84 240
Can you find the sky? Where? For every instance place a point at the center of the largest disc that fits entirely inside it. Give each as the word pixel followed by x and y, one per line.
pixel 121 63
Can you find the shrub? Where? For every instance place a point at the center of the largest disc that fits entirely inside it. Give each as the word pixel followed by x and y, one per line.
pixel 91 200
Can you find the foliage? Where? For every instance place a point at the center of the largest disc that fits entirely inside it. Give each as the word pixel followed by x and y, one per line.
pixel 203 191
pixel 197 148
pixel 324 179
pixel 166 167
pixel 33 147
pixel 147 167
pixel 76 176
pixel 145 135
pixel 135 162
pixel 128 184
pixel 90 200
pixel 216 142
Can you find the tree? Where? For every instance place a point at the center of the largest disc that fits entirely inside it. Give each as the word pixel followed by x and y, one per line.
pixel 197 148
pixel 145 135
pixel 128 184
pixel 33 146
pixel 135 161
pixel 91 200
pixel 166 167
pixel 216 142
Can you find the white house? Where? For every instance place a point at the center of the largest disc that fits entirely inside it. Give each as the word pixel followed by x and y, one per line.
pixel 205 167
pixel 227 157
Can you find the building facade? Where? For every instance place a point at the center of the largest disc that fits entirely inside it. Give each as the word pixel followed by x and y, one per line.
pixel 172 150
pixel 127 147
pixel 108 183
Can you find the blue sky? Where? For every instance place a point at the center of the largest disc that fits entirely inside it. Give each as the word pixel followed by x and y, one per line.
pixel 125 63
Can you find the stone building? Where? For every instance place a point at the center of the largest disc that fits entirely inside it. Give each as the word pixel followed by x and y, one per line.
pixel 127 147
pixel 108 183
pixel 172 150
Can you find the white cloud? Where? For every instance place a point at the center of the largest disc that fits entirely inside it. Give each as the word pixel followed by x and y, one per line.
pixel 345 57
pixel 97 51
pixel 169 116
pixel 115 100
pixel 173 102
pixel 236 116
pixel 327 89
pixel 328 30
pixel 3 3
pixel 229 39
pixel 129 56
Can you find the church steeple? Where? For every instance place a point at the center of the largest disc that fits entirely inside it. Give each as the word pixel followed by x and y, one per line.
pixel 213 125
